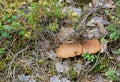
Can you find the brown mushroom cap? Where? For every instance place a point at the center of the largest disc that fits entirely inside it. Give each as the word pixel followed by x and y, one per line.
pixel 91 46
pixel 67 50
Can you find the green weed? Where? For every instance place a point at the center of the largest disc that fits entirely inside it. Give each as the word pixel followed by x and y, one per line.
pixel 118 8
pixel 89 57
pixel 111 74
pixel 2 50
pixel 72 74
pixel 117 51
pixel 115 32
pixel 53 26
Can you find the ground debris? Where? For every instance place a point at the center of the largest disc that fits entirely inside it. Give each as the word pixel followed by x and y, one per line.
pixel 64 32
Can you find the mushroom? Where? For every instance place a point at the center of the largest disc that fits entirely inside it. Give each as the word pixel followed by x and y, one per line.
pixel 91 46
pixel 67 50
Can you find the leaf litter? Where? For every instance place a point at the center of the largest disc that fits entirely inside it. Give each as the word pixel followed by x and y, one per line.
pixel 56 69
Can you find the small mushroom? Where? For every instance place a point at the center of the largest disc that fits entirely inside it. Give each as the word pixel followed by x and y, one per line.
pixel 91 46
pixel 67 50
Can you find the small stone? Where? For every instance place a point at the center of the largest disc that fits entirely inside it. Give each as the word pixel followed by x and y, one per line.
pixel 65 80
pixel 59 67
pixel 54 79
pixel 23 77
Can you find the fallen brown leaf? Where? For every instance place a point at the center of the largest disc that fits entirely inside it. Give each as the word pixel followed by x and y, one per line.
pixel 109 4
pixel 97 3
pixel 104 43
pixel 96 19
pixel 92 33
pixel 102 29
pixel 64 32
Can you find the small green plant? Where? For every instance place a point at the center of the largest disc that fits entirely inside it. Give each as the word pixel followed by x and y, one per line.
pixel 72 73
pixel 115 32
pixel 118 8
pixel 50 8
pixel 53 26
pixel 9 25
pixel 41 61
pixel 104 40
pixel 111 74
pixel 2 50
pixel 88 57
pixel 110 14
pixel 103 65
pixel 4 29
pixel 115 22
pixel 11 18
pixel 34 16
pixel 117 51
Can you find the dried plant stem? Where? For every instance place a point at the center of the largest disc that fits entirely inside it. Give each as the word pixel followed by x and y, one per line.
pixel 83 18
pixel 10 72
pixel 97 62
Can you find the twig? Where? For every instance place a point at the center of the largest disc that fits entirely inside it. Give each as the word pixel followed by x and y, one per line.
pixel 108 54
pixel 19 52
pixel 83 21
pixel 96 63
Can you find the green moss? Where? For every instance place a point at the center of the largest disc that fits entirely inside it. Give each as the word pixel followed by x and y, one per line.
pixel 41 61
pixel 102 66
pixel 72 74
pixel 52 71
pixel 28 71
pixel 2 64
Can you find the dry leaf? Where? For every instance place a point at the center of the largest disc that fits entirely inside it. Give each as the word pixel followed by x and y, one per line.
pixel 118 58
pixel 78 67
pixel 64 32
pixel 51 54
pixel 99 78
pixel 65 80
pixel 104 43
pixel 100 23
pixel 59 67
pixel 54 78
pixel 102 29
pixel 69 1
pixel 62 66
pixel 97 3
pixel 103 3
pixel 94 20
pixel 75 11
pixel 92 33
pixel 23 77
pixel 109 1
pixel 103 47
pixel 109 4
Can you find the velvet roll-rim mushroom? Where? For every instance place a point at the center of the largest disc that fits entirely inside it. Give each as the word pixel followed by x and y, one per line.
pixel 91 46
pixel 67 50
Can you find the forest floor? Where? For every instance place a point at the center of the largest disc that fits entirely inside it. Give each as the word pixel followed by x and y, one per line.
pixel 32 31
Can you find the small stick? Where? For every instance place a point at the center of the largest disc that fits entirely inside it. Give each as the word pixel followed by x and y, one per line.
pixel 19 52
